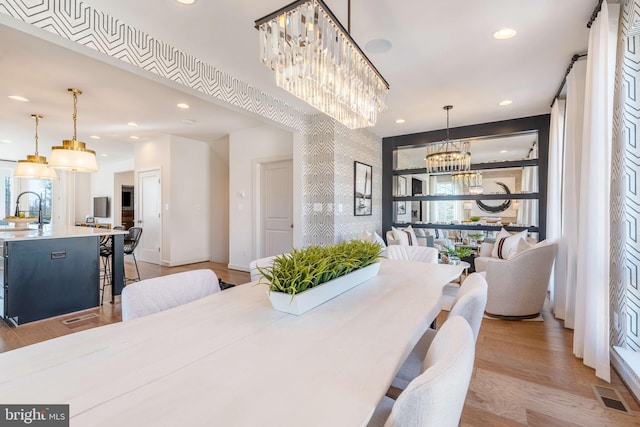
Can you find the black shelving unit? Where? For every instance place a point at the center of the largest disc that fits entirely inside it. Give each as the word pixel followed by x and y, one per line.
pixel 540 124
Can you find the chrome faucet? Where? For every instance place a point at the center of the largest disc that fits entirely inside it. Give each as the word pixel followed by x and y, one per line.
pixel 40 222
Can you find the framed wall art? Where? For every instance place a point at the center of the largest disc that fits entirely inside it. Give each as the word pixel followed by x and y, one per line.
pixel 362 189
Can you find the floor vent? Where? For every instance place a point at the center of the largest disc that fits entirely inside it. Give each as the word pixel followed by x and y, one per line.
pixel 79 318
pixel 609 398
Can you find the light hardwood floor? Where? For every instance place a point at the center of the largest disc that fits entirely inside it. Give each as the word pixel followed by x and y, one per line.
pixel 525 372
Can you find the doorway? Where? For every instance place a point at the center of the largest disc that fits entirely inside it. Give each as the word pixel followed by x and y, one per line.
pixel 276 208
pixel 148 216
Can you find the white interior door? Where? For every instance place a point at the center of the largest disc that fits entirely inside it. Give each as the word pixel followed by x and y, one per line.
pixel 277 207
pixel 148 216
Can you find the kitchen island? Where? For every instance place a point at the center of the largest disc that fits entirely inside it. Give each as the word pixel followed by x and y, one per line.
pixel 55 271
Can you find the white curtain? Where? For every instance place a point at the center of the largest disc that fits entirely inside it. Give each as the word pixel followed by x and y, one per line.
pixel 554 187
pixel 591 336
pixel 580 221
pixel 565 265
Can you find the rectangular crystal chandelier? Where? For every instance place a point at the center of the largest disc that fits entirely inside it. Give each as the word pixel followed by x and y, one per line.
pixel 315 59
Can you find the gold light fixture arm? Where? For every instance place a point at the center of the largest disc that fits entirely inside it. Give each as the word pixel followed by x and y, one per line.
pixel 37 117
pixel 75 93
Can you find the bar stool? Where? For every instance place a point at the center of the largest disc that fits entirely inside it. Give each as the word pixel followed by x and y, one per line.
pixel 106 252
pixel 130 243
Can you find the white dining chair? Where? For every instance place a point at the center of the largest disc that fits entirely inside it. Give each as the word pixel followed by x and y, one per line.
pixel 469 303
pixel 436 397
pixel 412 253
pixel 259 263
pixel 162 293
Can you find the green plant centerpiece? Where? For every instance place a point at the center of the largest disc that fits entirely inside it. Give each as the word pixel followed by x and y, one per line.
pixel 476 236
pixel 307 268
pixel 450 254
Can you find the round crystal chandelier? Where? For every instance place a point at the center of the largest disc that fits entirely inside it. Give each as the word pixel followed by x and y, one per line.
pixel 448 156
pixel 470 179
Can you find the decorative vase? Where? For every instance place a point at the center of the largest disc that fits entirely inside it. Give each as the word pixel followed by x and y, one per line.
pixel 305 301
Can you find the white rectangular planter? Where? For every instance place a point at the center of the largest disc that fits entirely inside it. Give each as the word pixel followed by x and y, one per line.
pixel 313 297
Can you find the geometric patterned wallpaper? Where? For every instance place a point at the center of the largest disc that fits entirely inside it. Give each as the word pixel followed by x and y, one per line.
pixel 75 21
pixel 329 149
pixel 328 158
pixel 625 185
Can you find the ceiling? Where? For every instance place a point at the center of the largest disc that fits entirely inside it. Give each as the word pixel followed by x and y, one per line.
pixel 442 53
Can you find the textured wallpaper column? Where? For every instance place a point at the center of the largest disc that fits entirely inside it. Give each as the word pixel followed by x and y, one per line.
pixel 625 192
pixel 318 182
pixel 362 146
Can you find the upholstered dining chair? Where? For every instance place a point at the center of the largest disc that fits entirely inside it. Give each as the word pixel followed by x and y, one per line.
pixel 470 302
pixel 436 397
pixel 162 293
pixel 412 253
pixel 259 263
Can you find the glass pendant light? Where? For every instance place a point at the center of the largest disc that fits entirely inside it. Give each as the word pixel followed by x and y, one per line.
pixel 73 154
pixel 35 166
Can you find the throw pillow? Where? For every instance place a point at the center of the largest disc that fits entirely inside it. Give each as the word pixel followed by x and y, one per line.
pixel 420 232
pixel 400 236
pixel 367 236
pixel 406 236
pixel 506 245
pixel 378 238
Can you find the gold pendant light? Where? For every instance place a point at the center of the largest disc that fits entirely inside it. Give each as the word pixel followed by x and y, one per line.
pixel 73 154
pixel 35 166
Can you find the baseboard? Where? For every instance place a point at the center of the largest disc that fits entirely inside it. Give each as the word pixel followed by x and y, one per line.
pixel 184 262
pixel 238 267
pixel 627 364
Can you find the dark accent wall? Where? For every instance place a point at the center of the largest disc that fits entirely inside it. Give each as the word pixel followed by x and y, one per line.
pixel 524 124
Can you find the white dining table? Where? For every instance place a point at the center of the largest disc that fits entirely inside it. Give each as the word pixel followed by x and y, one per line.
pixel 229 359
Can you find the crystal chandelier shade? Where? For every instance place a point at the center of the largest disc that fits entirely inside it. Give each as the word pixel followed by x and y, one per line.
pixel 448 156
pixel 35 166
pixel 316 59
pixel 470 179
pixel 73 154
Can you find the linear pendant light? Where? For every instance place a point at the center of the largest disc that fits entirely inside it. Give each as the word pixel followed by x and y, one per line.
pixel 314 58
pixel 35 166
pixel 73 154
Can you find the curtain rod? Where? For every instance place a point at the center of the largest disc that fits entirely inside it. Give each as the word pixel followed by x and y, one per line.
pixel 574 58
pixel 594 15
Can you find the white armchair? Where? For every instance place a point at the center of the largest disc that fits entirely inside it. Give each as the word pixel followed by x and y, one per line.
pixel 518 286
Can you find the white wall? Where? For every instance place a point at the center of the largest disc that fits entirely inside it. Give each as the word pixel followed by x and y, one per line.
pixel 189 185
pixel 219 196
pixel 96 184
pixel 246 147
pixel 184 166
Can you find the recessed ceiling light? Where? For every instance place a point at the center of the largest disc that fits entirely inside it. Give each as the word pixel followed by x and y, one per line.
pixel 505 102
pixel 134 137
pixel 183 106
pixel 505 33
pixel 503 151
pixel 188 121
pixel 18 98
pixel 132 124
pixel 104 155
pixel 400 121
pixel 94 137
pixel 7 141
pixel 186 1
pixel 378 46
